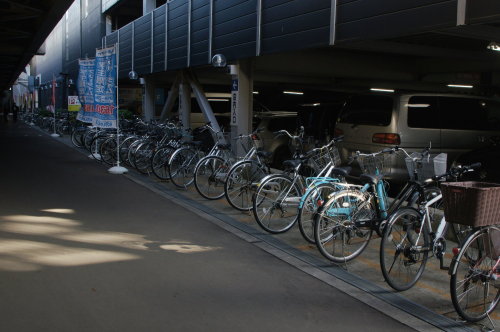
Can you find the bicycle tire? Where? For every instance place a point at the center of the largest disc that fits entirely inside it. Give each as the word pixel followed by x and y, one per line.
pixel 76 136
pixel 276 203
pixel 312 200
pixel 342 227
pixel 108 151
pixel 124 149
pixel 472 275
pixel 159 162
pixel 181 166
pixel 402 259
pixel 210 176
pixel 142 157
pixel 241 183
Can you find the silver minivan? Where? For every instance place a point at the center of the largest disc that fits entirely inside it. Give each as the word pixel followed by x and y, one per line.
pixel 451 124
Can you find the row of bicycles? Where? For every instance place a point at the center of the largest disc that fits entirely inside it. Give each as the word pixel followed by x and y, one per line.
pixel 339 216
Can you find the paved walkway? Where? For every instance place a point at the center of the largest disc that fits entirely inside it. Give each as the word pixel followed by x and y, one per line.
pixel 83 250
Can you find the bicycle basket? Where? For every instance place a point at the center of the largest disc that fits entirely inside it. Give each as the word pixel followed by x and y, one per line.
pixel 373 164
pixel 471 203
pixel 325 156
pixel 426 167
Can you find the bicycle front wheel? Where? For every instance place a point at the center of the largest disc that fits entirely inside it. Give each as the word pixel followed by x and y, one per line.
pixel 181 166
pixel 142 157
pixel 474 287
pixel 241 183
pixel 342 227
pixel 313 199
pixel 276 203
pixel 210 175
pixel 404 249
pixel 159 162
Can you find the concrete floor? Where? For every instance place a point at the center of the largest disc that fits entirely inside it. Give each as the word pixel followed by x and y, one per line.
pixel 84 250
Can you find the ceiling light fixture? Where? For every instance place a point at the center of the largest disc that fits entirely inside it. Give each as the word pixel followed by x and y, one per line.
pixel 293 93
pixel 382 90
pixel 464 86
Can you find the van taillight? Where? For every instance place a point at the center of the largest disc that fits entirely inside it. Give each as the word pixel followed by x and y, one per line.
pixel 393 139
pixel 338 132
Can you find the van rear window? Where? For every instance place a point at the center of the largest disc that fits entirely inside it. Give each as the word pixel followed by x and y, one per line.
pixel 367 110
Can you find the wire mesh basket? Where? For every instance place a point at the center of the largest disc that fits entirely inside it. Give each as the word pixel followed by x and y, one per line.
pixel 373 164
pixel 471 203
pixel 326 156
pixel 421 168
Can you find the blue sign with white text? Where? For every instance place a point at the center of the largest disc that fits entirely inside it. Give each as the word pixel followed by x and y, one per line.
pixel 105 108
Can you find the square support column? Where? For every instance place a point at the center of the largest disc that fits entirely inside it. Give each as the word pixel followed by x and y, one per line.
pixel 185 104
pixel 148 104
pixel 241 99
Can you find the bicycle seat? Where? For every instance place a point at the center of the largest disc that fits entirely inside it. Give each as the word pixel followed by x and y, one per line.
pixel 293 163
pixel 370 178
pixel 342 171
pixel 224 146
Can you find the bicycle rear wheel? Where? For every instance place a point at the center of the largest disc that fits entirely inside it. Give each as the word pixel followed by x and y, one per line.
pixel 342 227
pixel 108 150
pixel 474 288
pixel 142 157
pixel 241 183
pixel 313 199
pixel 276 203
pixel 159 162
pixel 210 175
pixel 404 249
pixel 181 166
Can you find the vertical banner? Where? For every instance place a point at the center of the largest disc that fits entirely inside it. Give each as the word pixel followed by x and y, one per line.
pixel 85 86
pixel 105 108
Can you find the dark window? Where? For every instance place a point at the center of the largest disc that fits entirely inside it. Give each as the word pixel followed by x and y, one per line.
pixel 469 113
pixel 423 112
pixel 279 123
pixel 368 110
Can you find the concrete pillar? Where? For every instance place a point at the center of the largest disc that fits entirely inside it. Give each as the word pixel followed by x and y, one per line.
pixel 185 104
pixel 148 102
pixel 173 94
pixel 148 6
pixel 241 99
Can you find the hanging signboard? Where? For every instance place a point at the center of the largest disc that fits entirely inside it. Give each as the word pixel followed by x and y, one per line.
pixel 85 86
pixel 105 110
pixel 234 103
pixel 74 104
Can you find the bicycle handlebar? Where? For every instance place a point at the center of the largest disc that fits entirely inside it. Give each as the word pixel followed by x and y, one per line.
pixel 456 172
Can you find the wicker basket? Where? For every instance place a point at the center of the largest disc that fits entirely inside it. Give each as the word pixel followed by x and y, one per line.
pixel 471 203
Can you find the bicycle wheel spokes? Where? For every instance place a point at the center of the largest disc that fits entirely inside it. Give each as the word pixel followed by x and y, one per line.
pixel 181 167
pixel 404 249
pixel 337 231
pixel 275 204
pixel 241 184
pixel 159 162
pixel 143 157
pixel 474 288
pixel 314 198
pixel 210 176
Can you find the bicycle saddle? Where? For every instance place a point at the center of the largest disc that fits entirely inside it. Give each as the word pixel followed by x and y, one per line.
pixel 293 163
pixel 342 171
pixel 370 178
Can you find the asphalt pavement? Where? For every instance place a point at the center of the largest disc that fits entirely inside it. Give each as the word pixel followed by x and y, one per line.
pixel 84 250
